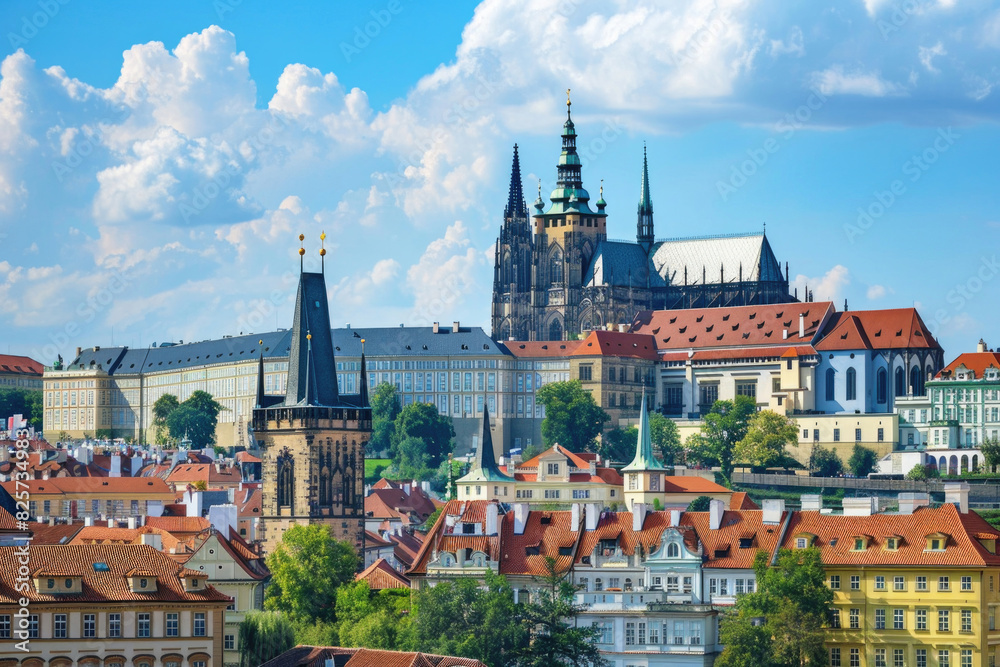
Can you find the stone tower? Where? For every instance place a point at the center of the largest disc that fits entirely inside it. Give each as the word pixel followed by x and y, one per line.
pixel 312 440
pixel 512 266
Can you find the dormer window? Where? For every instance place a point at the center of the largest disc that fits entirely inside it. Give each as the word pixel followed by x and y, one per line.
pixel 143 583
pixel 859 544
pixel 801 543
pixel 802 540
pixel 892 543
pixel 673 551
pixel 746 542
pixel 936 542
pixel 51 583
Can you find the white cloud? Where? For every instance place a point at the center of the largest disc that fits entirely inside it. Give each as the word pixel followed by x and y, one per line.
pixel 876 292
pixel 927 55
pixel 828 287
pixel 445 277
pixel 794 46
pixel 836 81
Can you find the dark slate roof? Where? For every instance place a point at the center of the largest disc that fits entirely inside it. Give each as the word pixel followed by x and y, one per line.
pixel 312 369
pixel 618 263
pixel 380 342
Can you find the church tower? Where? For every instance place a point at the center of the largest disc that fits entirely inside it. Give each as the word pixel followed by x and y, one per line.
pixel 312 440
pixel 644 226
pixel 485 480
pixel 511 317
pixel 644 475
pixel 566 237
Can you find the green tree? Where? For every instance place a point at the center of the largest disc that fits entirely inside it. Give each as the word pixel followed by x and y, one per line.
pixel 766 437
pixel 195 418
pixel 556 639
pixel 24 402
pixel 618 444
pixel 781 623
pixel 666 437
pixel 862 461
pixel 412 459
pixel 385 408
pixel 572 418
pixel 307 567
pixel 699 504
pixel 262 635
pixel 923 472
pixel 423 421
pixel 990 448
pixel 826 463
pixel 724 425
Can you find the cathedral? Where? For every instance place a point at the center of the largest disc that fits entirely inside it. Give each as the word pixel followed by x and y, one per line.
pixel 313 438
pixel 556 275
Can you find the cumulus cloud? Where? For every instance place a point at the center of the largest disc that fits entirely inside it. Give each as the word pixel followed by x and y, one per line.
pixel 876 292
pixel 444 277
pixel 828 287
pixel 837 81
pixel 927 55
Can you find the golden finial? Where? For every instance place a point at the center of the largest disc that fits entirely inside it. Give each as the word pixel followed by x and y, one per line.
pixel 322 252
pixel 602 188
pixel 302 237
pixel 260 342
pixel 322 236
pixel 302 251
pixel 568 102
pixel 309 336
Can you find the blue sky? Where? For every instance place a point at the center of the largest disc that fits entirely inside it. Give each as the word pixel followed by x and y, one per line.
pixel 158 160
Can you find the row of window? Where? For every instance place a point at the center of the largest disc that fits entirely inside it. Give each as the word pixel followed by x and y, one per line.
pixel 920 619
pixel 899 581
pixel 881 656
pixel 836 435
pixel 648 633
pixel 143 625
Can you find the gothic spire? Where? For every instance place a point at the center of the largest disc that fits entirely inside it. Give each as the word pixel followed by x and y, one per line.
pixel 644 226
pixel 484 465
pixel 363 389
pixel 644 459
pixel 516 207
pixel 260 377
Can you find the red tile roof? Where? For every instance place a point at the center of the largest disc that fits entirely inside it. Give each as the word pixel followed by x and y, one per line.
pixel 740 500
pixel 312 656
pixel 543 348
pixel 59 533
pixel 106 535
pixel 546 534
pixel 405 547
pixel 617 344
pixel 737 326
pixel 18 365
pixel 373 540
pixel 440 538
pixel 179 525
pixel 834 532
pixel 115 486
pixel 721 547
pixel 692 484
pixel 755 353
pixel 977 362
pixel 204 472
pixel 618 526
pixel 99 585
pixel 876 330
pixel 375 658
pixel 380 575
pixel 247 457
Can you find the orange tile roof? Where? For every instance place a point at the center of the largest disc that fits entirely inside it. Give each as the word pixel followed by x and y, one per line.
pixel 617 344
pixel 179 525
pixel 106 535
pixel 546 534
pixel 754 353
pixel 740 500
pixel 18 365
pixel 575 459
pixel 540 348
pixel 371 539
pixel 618 526
pixel 248 502
pixel 378 658
pixel 101 586
pixel 737 326
pixel 439 539
pixel 247 457
pixel 977 362
pixel 204 472
pixel 84 485
pixel 692 484
pixel 721 547
pixel 876 330
pixel 834 532
pixel 8 522
pixel 405 547
pixel 380 575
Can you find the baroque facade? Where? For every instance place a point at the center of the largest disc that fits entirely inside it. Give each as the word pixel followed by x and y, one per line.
pixel 558 275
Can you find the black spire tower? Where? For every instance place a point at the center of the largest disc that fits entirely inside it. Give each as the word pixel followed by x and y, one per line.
pixel 644 226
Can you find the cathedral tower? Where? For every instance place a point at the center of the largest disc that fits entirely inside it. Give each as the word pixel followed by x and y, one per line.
pixel 312 440
pixel 644 226
pixel 512 271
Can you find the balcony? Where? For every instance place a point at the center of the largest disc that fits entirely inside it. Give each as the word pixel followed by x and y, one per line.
pixel 599 601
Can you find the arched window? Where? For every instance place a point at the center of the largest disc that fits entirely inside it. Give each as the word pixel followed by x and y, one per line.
pixel 556 267
pixel 285 481
pixel 852 384
pixel 830 388
pixel 882 385
pixel 628 583
pixel 555 330
pixel 900 382
pixel 598 584
pixel 673 551
pixel 916 386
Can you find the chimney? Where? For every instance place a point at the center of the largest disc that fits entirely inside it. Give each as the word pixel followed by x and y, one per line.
pixel 638 516
pixel 675 518
pixel 131 523
pixel 154 540
pixel 116 466
pixel 52 521
pixel 223 518
pixel 802 325
pixel 621 328
pixel 715 510
pixel 520 517
pixel 773 509
pixel 592 512
pixel 88 521
pixel 957 493
pixel 436 327
pixel 111 523
pixel 492 513
pixel 909 502
pixel 981 346
pixel 574 521
pixel 860 506
pixel 78 351
pixel 812 502
pixel 454 327
pixel 784 334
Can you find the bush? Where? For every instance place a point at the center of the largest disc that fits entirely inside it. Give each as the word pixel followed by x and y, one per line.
pixel 923 472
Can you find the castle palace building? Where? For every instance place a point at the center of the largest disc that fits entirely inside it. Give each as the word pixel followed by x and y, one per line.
pixel 557 275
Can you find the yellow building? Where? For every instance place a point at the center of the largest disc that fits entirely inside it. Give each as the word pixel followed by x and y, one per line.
pixel 94 497
pixel 111 605
pixel 20 373
pixel 616 368
pixel 913 589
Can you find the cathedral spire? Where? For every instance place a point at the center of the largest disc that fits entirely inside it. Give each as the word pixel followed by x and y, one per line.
pixel 363 389
pixel 260 376
pixel 644 226
pixel 516 207
pixel 644 459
